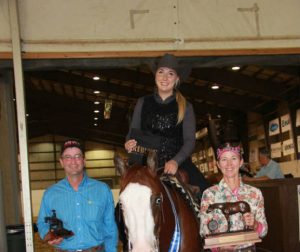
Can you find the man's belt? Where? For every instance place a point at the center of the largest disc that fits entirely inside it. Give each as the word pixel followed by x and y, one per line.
pixel 99 248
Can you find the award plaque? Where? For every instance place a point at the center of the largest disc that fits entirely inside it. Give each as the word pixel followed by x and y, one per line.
pixel 229 238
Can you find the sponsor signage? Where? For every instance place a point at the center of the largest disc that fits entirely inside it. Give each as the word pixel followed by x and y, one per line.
pixel 274 127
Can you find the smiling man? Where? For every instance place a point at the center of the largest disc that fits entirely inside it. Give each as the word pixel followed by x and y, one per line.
pixel 84 205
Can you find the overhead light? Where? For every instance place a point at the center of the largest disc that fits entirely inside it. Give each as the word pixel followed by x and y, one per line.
pixel 95 124
pixel 27 115
pixel 95 118
pixel 96 111
pixel 236 68
pixel 215 86
pixel 96 102
pixel 95 78
pixel 96 92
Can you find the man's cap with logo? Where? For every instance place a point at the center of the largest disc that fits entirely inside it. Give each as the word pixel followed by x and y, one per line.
pixel 71 143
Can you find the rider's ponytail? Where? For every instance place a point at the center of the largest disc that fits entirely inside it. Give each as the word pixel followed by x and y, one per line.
pixel 181 101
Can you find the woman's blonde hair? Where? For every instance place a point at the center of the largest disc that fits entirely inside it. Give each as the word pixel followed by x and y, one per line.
pixel 181 101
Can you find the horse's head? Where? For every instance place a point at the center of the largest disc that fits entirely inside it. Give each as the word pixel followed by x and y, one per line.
pixel 141 203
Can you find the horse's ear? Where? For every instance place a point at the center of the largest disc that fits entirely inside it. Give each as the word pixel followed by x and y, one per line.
pixel 152 160
pixel 119 164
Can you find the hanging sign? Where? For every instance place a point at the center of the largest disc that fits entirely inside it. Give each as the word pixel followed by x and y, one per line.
pixel 274 127
pixel 288 147
pixel 285 123
pixel 276 150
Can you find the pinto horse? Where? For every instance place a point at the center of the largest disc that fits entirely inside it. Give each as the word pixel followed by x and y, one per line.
pixel 152 211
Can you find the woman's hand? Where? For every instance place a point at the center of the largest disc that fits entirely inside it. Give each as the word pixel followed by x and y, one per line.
pixel 171 167
pixel 130 145
pixel 249 220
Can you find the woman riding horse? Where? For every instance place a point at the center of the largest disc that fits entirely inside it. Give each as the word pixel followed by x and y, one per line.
pixel 167 119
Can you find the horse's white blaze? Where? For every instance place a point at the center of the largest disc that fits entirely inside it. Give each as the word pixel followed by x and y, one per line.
pixel 135 200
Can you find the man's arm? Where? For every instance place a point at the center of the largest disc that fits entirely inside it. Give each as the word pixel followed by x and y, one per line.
pixel 43 227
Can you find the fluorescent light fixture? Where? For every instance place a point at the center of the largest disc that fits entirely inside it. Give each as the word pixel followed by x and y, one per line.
pixel 95 124
pixel 236 68
pixel 96 111
pixel 95 78
pixel 96 92
pixel 96 102
pixel 215 86
pixel 95 118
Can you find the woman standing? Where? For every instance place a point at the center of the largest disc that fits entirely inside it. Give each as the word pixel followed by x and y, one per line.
pixel 232 189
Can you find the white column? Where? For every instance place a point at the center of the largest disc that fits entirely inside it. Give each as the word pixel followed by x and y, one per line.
pixel 22 127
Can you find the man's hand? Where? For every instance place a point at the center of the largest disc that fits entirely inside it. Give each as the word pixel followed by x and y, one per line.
pixel 52 238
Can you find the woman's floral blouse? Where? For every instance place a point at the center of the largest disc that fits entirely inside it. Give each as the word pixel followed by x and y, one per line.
pixel 221 193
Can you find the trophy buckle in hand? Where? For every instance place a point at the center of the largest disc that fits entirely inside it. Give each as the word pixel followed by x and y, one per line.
pixel 56 228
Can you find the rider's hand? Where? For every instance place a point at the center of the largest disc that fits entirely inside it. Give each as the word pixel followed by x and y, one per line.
pixel 130 145
pixel 171 167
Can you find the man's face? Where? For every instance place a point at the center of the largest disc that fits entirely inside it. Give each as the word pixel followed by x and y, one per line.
pixel 72 161
pixel 263 160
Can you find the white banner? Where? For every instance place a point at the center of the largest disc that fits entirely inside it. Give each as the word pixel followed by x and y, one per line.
pixel 285 123
pixel 288 147
pixel 274 127
pixel 276 150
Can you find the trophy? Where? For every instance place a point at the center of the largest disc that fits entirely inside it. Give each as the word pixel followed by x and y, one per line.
pixel 56 228
pixel 229 238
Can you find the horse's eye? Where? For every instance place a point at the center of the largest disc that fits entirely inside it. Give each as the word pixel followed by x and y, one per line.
pixel 158 201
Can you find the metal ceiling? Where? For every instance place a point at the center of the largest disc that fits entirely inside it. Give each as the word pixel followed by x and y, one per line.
pixel 60 98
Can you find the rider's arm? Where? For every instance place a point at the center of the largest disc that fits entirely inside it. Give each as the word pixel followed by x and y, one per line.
pixel 136 118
